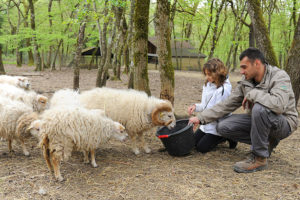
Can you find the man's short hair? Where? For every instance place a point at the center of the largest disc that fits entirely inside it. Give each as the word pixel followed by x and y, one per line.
pixel 253 54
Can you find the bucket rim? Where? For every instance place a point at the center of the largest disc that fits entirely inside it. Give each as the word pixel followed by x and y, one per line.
pixel 177 132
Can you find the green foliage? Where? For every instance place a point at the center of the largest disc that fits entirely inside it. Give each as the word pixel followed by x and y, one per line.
pixel 65 27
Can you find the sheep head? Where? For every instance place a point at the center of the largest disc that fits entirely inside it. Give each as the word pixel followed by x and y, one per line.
pixel 24 82
pixel 163 115
pixel 23 124
pixel 42 102
pixel 120 133
pixel 34 128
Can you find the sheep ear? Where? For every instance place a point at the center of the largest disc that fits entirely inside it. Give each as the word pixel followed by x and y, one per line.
pixel 42 99
pixel 158 111
pixel 119 126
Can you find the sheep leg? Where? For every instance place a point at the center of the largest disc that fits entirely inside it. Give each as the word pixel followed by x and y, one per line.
pixel 26 153
pixel 134 147
pixel 10 146
pixel 56 166
pixel 86 157
pixel 143 143
pixel 93 161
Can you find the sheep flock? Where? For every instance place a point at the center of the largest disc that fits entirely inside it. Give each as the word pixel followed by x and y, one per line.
pixel 72 121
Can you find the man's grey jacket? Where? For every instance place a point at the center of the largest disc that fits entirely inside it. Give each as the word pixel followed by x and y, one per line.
pixel 274 92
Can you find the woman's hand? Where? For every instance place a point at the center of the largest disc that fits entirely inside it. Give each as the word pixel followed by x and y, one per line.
pixel 194 120
pixel 191 109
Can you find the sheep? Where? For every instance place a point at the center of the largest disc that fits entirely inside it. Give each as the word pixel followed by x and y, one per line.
pixel 65 97
pixel 134 109
pixel 64 128
pixel 15 118
pixel 18 81
pixel 31 98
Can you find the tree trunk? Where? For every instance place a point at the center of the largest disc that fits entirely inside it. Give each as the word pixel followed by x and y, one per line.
pixel 163 33
pixel 38 66
pixel 2 70
pixel 292 64
pixel 80 43
pixel 189 24
pixel 50 25
pixel 131 44
pixel 262 38
pixel 28 42
pixel 140 57
pixel 215 31
pixel 102 42
pixel 208 27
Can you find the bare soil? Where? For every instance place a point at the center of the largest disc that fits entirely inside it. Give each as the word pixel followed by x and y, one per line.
pixel 123 175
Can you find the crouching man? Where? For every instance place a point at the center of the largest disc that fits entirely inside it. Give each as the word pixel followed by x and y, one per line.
pixel 266 92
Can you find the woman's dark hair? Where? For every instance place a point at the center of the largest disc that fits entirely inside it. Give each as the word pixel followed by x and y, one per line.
pixel 253 54
pixel 217 69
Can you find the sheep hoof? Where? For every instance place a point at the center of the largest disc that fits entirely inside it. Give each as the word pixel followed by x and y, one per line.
pixel 94 165
pixel 147 150
pixel 27 153
pixel 86 162
pixel 136 151
pixel 60 179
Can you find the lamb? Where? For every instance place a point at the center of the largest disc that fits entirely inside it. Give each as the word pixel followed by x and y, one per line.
pixel 134 109
pixel 18 81
pixel 64 128
pixel 15 118
pixel 30 98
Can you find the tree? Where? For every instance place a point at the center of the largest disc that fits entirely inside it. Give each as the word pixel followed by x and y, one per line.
pixel 163 33
pixel 262 38
pixel 140 57
pixel 2 71
pixel 38 66
pixel 292 64
pixel 80 42
pixel 215 30
pixel 102 40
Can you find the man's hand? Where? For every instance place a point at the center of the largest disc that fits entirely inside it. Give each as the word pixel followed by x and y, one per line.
pixel 191 109
pixel 247 104
pixel 194 120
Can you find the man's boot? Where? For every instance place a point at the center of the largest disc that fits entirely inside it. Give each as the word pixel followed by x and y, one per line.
pixel 252 164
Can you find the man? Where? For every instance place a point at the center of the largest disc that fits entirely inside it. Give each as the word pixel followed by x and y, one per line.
pixel 266 92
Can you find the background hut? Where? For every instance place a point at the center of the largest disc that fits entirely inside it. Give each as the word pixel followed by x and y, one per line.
pixel 184 55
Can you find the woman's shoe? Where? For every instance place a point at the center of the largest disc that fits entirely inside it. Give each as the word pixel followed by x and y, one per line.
pixel 232 144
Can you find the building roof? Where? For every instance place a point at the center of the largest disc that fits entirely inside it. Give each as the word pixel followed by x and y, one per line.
pixel 184 49
pixel 90 50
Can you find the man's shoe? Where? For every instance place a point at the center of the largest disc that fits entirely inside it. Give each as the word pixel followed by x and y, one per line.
pixel 273 142
pixel 252 164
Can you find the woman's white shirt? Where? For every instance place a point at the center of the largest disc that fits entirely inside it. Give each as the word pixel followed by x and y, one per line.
pixel 212 95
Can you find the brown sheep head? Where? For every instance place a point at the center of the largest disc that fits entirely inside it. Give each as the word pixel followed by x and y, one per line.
pixel 163 115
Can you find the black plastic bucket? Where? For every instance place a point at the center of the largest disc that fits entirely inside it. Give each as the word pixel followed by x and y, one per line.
pixel 178 141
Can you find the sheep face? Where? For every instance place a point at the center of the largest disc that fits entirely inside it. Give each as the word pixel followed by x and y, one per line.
pixel 119 132
pixel 163 115
pixel 42 102
pixel 24 82
pixel 35 127
pixel 168 118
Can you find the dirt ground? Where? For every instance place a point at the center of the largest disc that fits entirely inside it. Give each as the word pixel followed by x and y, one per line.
pixel 122 175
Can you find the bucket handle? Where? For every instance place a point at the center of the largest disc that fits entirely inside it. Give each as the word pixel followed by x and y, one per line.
pixel 163 136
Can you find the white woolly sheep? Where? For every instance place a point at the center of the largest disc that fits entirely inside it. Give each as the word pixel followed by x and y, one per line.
pixel 134 109
pixel 64 128
pixel 15 118
pixel 18 81
pixel 30 98
pixel 65 97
